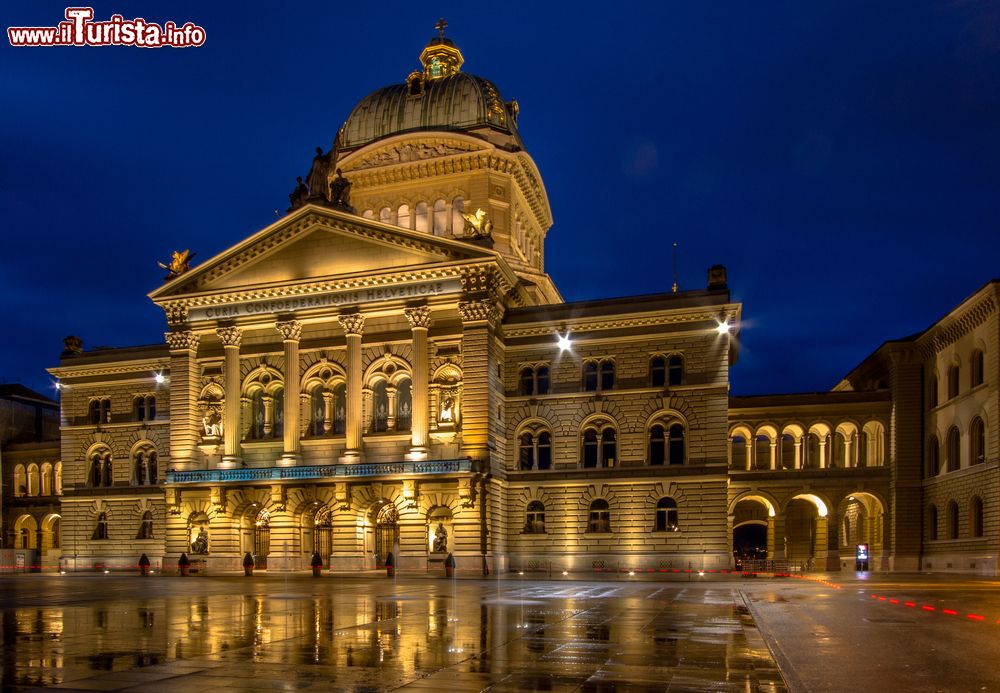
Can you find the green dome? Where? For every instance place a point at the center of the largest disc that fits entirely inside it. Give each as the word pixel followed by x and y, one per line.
pixel 460 102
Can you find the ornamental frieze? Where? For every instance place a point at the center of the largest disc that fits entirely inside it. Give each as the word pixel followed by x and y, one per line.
pixel 406 153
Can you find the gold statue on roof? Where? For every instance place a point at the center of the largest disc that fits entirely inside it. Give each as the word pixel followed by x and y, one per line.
pixel 180 262
pixel 477 225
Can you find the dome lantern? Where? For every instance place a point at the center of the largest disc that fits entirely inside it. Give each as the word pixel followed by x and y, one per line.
pixel 440 57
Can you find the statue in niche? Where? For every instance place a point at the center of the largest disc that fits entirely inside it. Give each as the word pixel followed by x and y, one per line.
pixel 212 423
pixel 440 539
pixel 180 262
pixel 319 175
pixel 200 544
pixel 298 196
pixel 477 225
pixel 447 410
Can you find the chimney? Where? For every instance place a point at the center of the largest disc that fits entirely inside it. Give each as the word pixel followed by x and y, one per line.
pixel 717 278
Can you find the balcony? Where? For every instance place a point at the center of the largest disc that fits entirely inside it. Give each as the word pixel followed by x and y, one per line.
pixel 331 471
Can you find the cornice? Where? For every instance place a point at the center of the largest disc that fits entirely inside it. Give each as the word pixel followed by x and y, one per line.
pixel 573 325
pixel 117 368
pixel 953 327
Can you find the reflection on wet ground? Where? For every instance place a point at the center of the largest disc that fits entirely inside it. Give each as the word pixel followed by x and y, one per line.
pixel 352 634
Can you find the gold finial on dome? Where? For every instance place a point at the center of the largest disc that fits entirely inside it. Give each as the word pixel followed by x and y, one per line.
pixel 441 58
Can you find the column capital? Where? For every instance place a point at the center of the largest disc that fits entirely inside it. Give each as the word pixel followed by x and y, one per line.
pixel 182 340
pixel 353 323
pixel 479 311
pixel 290 330
pixel 230 336
pixel 419 317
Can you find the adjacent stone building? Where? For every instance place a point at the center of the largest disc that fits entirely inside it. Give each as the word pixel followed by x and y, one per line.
pixel 388 369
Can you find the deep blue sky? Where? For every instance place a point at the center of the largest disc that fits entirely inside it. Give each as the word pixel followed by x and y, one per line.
pixel 841 158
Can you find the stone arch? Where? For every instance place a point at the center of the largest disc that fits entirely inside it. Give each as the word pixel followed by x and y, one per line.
pixel 767 430
pixel 262 377
pixel 678 406
pixel 599 491
pixel 767 499
pixel 325 373
pixel 388 367
pixel 51 526
pixel 26 531
pixel 531 412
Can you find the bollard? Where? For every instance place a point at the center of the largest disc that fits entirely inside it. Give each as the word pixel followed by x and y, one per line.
pixel 390 565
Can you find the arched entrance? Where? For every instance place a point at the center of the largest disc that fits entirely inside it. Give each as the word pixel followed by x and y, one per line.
pixel 386 532
pixel 262 539
pixel 26 532
pixel 51 530
pixel 862 516
pixel 323 534
pixel 750 520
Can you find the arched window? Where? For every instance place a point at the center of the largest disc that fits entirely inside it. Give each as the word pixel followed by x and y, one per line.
pixel 599 519
pixel 590 448
pixel 100 411
pixel 657 445
pixel 952 520
pixel 977 441
pixel 34 479
pixel 317 411
pixel 144 408
pixel 666 515
pixel 339 409
pixel 101 529
pixel 403 216
pixel 20 481
pixel 657 371
pixel 932 523
pixel 976 516
pixel 738 452
pixel 385 215
pixel 675 370
pixel 527 382
pixel 146 526
pixel 609 447
pixel 787 451
pixel 676 450
pixel 380 407
pixel 457 220
pixel 368 214
pixel 954 450
pixel 57 471
pixel 46 479
pixel 145 467
pixel 422 218
pixel 535 450
pixel 607 375
pixel 542 380
pixel 953 373
pixel 101 469
pixel 534 521
pixel 56 532
pixel 278 413
pixel 440 218
pixel 932 391
pixel 933 457
pixel 978 366
pixel 257 415
pixel 404 405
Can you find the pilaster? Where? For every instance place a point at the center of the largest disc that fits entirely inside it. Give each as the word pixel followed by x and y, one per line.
pixel 185 431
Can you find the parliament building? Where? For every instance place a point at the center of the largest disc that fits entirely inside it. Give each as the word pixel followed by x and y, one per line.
pixel 388 369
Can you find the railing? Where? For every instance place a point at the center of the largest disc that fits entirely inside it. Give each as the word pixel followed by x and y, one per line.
pixel 367 469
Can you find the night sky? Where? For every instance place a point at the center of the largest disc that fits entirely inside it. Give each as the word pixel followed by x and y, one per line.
pixel 841 158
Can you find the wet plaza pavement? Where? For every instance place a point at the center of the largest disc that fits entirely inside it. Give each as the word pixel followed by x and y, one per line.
pixel 109 633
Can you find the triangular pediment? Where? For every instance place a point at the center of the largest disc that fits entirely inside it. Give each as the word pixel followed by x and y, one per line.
pixel 315 243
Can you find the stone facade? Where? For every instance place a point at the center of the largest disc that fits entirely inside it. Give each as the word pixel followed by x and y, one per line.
pixel 407 380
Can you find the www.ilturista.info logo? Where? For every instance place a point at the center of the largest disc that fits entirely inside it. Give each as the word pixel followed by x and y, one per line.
pixel 79 29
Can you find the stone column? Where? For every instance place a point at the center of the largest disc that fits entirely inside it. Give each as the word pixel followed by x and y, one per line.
pixel 750 455
pixel 776 537
pixel 231 338
pixel 774 454
pixel 848 460
pixel 478 317
pixel 798 453
pixel 291 333
pixel 420 322
pixel 354 325
pixel 823 463
pixel 185 428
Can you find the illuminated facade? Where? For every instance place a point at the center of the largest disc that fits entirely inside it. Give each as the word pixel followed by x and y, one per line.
pixel 392 371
